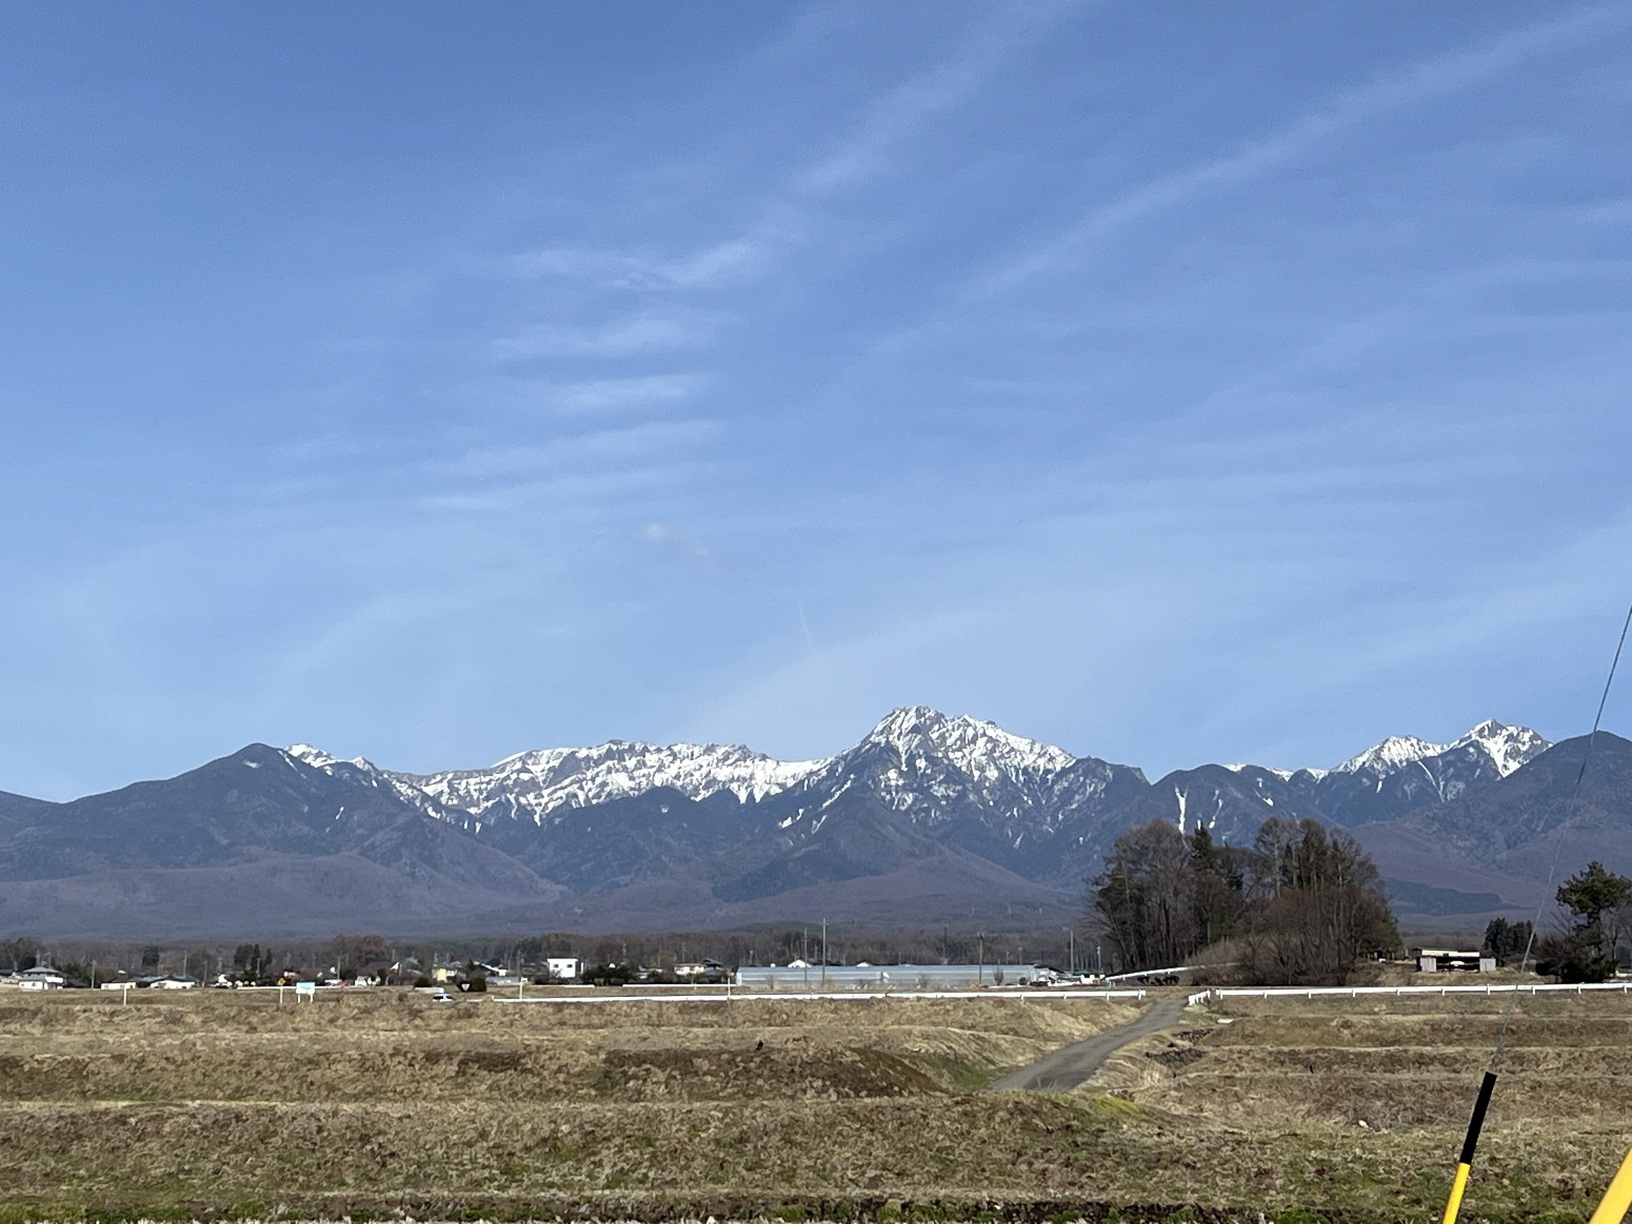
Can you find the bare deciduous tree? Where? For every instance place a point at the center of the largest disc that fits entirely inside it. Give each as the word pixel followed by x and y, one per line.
pixel 1304 906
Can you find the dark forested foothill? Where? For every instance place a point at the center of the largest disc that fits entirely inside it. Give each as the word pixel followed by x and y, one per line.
pixel 1303 906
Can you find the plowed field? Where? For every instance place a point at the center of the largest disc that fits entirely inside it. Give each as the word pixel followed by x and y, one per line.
pixel 388 1104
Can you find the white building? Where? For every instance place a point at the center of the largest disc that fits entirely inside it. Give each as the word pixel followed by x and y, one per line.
pixel 1449 960
pixel 563 968
pixel 42 978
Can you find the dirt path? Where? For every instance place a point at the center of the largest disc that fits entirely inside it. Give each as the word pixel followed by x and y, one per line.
pixel 1064 1069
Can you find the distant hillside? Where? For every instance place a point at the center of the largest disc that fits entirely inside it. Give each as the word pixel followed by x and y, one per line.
pixel 1519 825
pixel 250 841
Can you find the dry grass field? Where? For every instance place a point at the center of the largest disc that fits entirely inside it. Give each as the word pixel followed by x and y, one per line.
pixel 386 1104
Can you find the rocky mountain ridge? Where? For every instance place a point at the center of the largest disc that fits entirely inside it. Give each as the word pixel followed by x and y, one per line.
pixel 929 817
pixel 917 741
pixel 1031 806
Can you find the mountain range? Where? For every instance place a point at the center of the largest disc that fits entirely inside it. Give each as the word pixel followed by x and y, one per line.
pixel 929 819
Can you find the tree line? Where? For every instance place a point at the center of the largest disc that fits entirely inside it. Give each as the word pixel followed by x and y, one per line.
pixel 1303 905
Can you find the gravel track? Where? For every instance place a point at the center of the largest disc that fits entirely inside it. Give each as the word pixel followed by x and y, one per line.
pixel 1064 1069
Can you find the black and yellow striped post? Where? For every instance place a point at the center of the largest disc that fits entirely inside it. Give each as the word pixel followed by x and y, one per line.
pixel 1464 1164
pixel 1612 1209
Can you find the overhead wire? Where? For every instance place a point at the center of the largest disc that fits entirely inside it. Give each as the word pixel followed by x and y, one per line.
pixel 1620 1188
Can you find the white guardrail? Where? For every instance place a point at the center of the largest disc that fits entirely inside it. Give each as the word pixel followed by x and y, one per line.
pixel 1355 992
pixel 842 995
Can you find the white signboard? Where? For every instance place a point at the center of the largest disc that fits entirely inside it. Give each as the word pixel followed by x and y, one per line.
pixel 305 990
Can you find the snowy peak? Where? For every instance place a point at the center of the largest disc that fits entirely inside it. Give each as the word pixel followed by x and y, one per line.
pixel 1022 803
pixel 318 759
pixel 1390 756
pixel 941 772
pixel 1507 747
pixel 972 745
pixel 534 784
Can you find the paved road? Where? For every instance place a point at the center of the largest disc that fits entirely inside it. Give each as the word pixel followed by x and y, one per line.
pixel 1064 1069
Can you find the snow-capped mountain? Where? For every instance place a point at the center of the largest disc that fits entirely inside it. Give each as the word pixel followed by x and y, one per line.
pixel 531 786
pixel 1509 748
pixel 920 783
pixel 1387 781
pixel 927 818
pixel 1404 773
pixel 921 762
pixel 1505 747
pixel 966 782
pixel 1390 756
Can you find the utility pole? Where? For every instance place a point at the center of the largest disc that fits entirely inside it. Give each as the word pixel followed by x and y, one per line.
pixel 824 953
pixel 980 943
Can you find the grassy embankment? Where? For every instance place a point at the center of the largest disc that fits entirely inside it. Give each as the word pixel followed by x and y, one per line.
pixel 381 1104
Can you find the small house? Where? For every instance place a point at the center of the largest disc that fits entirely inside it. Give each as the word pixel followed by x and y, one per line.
pixel 1447 960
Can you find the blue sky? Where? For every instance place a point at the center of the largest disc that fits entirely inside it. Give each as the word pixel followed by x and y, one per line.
pixel 1172 384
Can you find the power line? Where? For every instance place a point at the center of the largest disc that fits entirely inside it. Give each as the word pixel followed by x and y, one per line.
pixel 1464 1164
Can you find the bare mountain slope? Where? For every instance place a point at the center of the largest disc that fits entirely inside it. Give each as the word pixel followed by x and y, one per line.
pixel 254 841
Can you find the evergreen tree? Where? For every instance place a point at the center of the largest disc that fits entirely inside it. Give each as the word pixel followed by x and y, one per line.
pixel 1600 900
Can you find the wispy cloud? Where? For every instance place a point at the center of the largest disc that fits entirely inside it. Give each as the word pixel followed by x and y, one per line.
pixel 601 394
pixel 778 217
pixel 593 450
pixel 631 336
pixel 1023 358
pixel 866 150
pixel 1345 112
pixel 727 262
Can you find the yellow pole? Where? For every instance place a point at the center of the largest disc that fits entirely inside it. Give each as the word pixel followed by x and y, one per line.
pixel 1454 1203
pixel 1612 1210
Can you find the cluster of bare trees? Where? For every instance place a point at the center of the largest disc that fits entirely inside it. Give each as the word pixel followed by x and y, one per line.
pixel 1303 906
pixel 19 954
